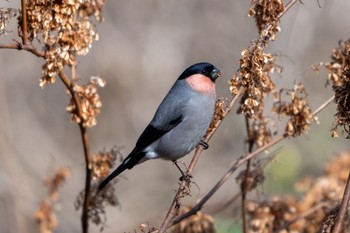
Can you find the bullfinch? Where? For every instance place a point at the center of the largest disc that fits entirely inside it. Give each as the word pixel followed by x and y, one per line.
pixel 180 121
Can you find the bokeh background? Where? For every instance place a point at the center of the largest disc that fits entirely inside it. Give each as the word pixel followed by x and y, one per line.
pixel 143 47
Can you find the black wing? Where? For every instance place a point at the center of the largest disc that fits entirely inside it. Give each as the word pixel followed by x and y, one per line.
pixel 149 135
pixel 152 134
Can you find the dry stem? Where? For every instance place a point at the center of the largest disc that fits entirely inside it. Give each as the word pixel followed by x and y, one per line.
pixel 343 208
pixel 84 137
pixel 24 23
pixel 21 46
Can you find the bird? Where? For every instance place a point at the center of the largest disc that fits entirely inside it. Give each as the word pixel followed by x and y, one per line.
pixel 180 121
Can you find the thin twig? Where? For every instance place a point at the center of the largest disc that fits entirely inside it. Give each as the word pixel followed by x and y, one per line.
pixel 286 8
pixel 343 208
pixel 85 211
pixel 234 167
pixel 24 23
pixel 27 47
pixel 222 206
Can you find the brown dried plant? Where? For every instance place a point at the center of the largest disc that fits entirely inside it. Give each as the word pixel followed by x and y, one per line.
pixel 320 195
pixel 89 100
pixel 59 31
pixel 198 223
pixel 101 165
pixel 45 216
pixel 298 110
pixel 266 15
pixel 65 28
pixel 339 76
pixel 255 78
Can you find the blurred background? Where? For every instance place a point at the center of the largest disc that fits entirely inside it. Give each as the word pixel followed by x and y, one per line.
pixel 143 47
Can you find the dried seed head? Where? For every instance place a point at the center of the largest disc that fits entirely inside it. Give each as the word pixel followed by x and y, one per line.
pixel 339 76
pixel 65 28
pixel 100 165
pixel 254 76
pixel 89 100
pixel 219 113
pixel 45 216
pixel 319 193
pixel 266 14
pixel 198 223
pixel 298 110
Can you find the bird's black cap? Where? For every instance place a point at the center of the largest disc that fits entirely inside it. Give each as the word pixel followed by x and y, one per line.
pixel 204 68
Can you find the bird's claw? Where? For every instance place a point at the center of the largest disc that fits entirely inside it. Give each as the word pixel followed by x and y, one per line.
pixel 186 177
pixel 204 144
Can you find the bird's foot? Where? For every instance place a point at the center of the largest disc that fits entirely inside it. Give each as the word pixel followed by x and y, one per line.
pixel 204 144
pixel 184 175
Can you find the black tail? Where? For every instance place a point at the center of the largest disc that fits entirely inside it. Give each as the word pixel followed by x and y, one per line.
pixel 129 162
pixel 116 172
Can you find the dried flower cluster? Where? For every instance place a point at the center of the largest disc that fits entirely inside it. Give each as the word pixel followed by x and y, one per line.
pixel 254 77
pixel 89 101
pixel 5 15
pixel 266 14
pixel 219 113
pixel 101 165
pixel 97 203
pixel 249 181
pixel 339 75
pixel 297 110
pixel 45 217
pixel 65 28
pixel 321 196
pixel 198 223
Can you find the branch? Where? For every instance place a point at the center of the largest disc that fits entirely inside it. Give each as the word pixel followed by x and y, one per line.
pixel 27 47
pixel 24 23
pixel 343 208
pixel 234 167
pixel 85 140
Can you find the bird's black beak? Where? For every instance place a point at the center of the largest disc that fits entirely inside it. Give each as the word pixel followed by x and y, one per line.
pixel 215 73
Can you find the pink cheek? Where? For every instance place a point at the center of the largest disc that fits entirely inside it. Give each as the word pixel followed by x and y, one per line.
pixel 201 84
